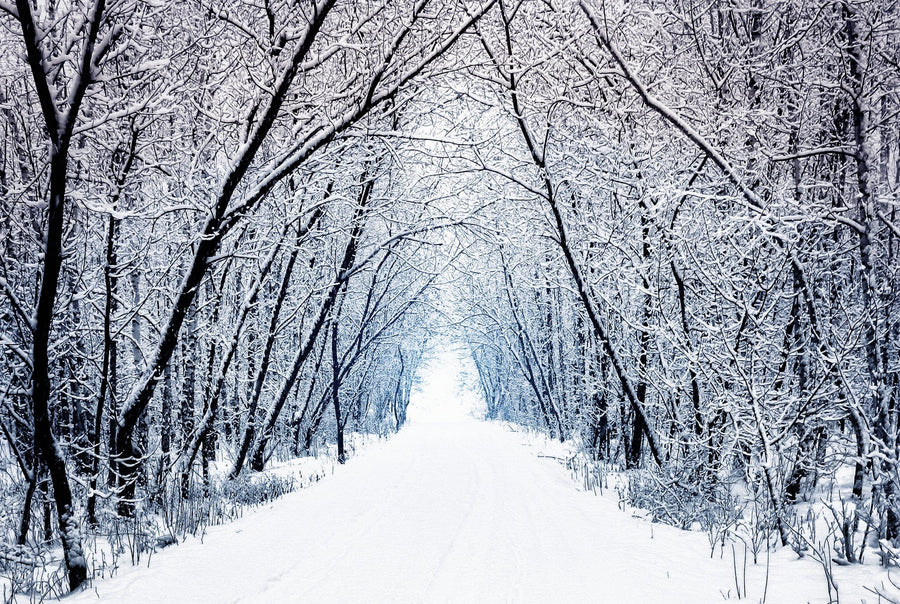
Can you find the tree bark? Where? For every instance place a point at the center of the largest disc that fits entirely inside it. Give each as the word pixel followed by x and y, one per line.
pixel 336 385
pixel 60 132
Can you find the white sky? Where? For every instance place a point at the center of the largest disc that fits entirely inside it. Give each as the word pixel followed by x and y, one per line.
pixel 446 387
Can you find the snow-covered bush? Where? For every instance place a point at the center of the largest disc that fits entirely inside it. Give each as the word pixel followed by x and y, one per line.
pixel 675 501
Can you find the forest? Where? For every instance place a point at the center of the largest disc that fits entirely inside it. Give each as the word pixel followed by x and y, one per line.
pixel 665 230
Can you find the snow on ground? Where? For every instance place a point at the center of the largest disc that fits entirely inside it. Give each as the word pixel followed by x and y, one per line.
pixel 457 510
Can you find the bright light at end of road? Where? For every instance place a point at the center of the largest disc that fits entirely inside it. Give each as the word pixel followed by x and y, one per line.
pixel 446 387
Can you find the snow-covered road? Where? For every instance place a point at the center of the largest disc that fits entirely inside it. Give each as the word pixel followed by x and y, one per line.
pixel 460 511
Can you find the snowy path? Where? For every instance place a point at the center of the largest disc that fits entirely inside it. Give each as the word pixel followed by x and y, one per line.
pixel 461 512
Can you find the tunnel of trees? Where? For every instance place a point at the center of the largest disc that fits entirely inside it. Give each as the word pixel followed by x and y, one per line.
pixel 666 230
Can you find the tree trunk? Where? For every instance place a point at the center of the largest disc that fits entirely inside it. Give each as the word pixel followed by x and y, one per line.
pixel 41 388
pixel 107 369
pixel 186 411
pixel 336 386
pixel 885 423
